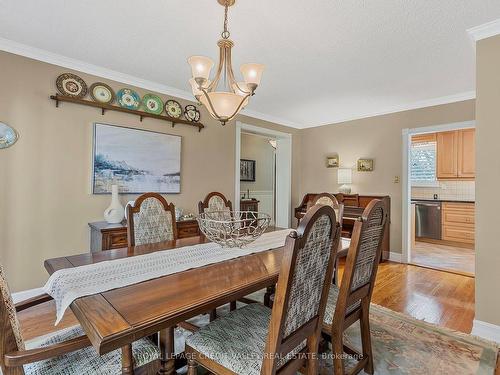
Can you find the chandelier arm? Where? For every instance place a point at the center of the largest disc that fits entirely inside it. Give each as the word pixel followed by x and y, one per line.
pixel 210 103
pixel 229 69
pixel 239 107
pixel 215 82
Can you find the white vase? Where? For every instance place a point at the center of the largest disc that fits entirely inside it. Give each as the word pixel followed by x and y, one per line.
pixel 115 212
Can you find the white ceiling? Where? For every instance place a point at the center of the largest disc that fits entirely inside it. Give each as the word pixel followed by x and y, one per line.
pixel 326 61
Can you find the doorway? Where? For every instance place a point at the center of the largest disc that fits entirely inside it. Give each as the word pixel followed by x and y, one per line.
pixel 273 168
pixel 439 197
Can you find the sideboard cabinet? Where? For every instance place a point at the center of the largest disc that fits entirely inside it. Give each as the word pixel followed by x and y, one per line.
pixel 104 236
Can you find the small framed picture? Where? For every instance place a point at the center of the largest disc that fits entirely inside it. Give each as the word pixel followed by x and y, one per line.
pixel 332 161
pixel 365 165
pixel 247 170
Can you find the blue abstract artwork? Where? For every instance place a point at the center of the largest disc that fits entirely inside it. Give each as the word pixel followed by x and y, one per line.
pixel 138 161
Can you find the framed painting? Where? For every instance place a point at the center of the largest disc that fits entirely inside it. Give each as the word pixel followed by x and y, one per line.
pixel 365 165
pixel 247 170
pixel 138 161
pixel 332 161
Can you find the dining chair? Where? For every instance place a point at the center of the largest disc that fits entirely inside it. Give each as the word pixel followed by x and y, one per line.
pixel 258 340
pixel 215 201
pixel 351 301
pixel 67 351
pixel 150 220
pixel 329 200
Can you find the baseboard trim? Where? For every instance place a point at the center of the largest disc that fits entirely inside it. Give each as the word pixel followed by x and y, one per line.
pixel 486 330
pixel 395 257
pixel 25 294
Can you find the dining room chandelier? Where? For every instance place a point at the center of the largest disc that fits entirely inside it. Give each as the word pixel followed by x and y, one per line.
pixel 225 103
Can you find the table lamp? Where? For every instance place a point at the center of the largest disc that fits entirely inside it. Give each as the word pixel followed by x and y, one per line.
pixel 344 178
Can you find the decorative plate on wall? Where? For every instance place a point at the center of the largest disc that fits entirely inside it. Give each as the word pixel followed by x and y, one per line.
pixel 128 98
pixel 8 136
pixel 191 113
pixel 173 108
pixel 152 104
pixel 70 84
pixel 102 93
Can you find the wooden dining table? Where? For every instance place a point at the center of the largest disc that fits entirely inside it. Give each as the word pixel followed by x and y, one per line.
pixel 116 318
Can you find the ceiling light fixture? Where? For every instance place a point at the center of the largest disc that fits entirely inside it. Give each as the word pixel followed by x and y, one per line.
pixel 223 105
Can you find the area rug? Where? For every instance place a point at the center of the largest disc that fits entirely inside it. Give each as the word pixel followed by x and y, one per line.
pixel 404 345
pixel 401 345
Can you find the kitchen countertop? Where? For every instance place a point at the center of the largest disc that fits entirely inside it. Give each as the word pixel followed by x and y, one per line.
pixel 413 200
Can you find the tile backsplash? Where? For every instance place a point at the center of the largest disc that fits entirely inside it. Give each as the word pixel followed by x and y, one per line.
pixel 453 190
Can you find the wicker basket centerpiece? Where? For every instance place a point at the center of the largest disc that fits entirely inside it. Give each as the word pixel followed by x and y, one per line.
pixel 233 228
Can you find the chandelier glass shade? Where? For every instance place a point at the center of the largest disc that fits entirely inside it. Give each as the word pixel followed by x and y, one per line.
pixel 223 96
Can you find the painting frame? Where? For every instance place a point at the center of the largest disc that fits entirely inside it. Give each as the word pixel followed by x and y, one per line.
pixel 176 177
pixel 249 166
pixel 365 165
pixel 332 161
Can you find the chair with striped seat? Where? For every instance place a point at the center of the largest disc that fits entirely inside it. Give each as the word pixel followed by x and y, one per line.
pixel 66 352
pixel 257 340
pixel 351 301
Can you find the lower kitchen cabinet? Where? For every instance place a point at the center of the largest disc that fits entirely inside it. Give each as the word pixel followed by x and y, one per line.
pixel 458 222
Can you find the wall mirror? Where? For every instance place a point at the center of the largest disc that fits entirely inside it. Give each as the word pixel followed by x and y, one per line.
pixel 8 136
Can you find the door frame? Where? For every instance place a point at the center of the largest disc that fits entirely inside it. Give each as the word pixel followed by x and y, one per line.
pixel 406 183
pixel 283 170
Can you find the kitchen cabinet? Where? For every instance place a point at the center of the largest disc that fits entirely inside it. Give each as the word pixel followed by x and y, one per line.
pixel 456 155
pixel 458 222
pixel 466 153
pixel 447 155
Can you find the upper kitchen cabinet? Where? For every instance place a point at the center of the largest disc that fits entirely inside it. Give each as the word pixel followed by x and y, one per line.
pixel 466 153
pixel 447 155
pixel 456 155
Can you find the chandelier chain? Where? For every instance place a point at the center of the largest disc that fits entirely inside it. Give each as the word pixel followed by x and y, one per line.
pixel 225 34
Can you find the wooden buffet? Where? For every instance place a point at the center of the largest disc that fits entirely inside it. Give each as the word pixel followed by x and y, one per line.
pixel 104 236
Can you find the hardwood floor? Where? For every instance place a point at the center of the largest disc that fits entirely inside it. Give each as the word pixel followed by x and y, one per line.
pixel 444 257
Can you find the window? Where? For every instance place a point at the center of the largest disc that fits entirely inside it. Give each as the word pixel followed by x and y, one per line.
pixel 423 164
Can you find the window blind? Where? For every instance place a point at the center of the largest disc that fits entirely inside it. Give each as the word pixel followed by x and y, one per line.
pixel 423 162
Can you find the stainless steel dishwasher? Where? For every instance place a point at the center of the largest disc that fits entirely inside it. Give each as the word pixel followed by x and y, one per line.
pixel 428 219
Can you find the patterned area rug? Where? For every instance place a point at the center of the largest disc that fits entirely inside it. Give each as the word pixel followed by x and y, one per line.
pixel 401 345
pixel 404 345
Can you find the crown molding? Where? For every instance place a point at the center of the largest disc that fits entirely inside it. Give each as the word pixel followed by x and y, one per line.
pixel 20 49
pixel 270 118
pixel 81 66
pixel 485 30
pixel 468 95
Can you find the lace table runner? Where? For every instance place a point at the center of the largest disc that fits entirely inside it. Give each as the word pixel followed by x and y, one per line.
pixel 66 285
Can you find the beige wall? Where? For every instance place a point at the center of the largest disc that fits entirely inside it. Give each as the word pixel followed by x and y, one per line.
pixel 45 199
pixel 379 138
pixel 255 147
pixel 487 180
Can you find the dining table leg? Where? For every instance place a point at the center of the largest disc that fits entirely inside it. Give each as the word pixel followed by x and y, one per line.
pixel 127 360
pixel 167 351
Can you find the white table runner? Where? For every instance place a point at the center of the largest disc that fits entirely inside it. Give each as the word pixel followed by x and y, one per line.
pixel 66 285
